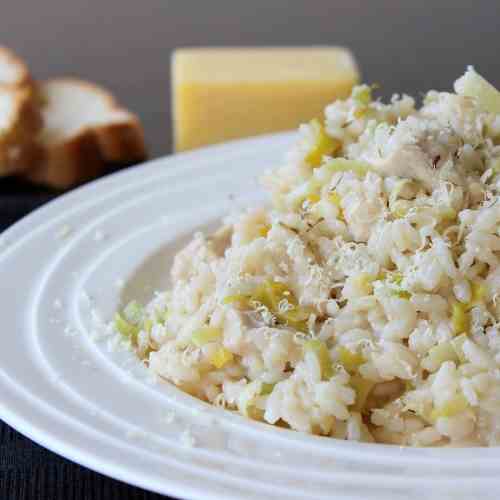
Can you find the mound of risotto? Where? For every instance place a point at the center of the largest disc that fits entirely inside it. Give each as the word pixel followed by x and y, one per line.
pixel 362 304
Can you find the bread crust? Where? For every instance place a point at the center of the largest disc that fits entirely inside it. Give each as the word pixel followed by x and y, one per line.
pixel 26 122
pixel 122 142
pixel 68 163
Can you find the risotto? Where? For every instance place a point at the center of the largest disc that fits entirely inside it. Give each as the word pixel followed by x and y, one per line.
pixel 362 304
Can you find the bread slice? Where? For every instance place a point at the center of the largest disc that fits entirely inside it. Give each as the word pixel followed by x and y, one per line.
pixel 20 119
pixel 84 130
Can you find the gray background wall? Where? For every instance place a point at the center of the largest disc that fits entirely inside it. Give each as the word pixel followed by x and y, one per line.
pixel 126 44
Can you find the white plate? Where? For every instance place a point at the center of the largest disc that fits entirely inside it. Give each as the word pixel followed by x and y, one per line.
pixel 60 271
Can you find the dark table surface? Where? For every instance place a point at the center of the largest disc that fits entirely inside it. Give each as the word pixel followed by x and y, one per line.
pixel 126 44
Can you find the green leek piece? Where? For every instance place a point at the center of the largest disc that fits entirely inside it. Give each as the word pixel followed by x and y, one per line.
pixel 351 361
pixel 460 318
pixel 324 145
pixel 344 165
pixel 230 299
pixel 478 293
pixel 321 351
pixel 362 94
pixel 452 407
pixel 440 353
pixel 161 316
pixel 272 293
pixel 335 199
pixel 472 84
pixel 396 278
pixel 248 396
pixel 363 387
pixel 266 389
pixel 221 357
pixel 364 282
pixel 402 294
pixel 206 334
pixel 133 312
pixel 457 343
pixel 147 325
pixel 124 328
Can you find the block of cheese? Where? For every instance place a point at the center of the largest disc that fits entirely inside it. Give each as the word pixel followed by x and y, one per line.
pixel 226 93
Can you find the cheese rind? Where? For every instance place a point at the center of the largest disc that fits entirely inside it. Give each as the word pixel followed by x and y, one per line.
pixel 223 94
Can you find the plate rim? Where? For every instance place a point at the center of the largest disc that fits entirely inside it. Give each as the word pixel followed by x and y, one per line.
pixel 22 423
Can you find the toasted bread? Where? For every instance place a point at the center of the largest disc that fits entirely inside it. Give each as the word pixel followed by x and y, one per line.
pixel 84 130
pixel 20 119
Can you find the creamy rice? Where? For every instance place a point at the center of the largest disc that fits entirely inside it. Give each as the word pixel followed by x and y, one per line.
pixel 362 304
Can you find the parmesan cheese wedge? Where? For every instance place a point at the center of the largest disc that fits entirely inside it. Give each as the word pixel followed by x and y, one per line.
pixel 226 93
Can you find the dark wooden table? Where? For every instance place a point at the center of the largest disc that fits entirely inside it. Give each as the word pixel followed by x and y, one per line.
pixel 126 45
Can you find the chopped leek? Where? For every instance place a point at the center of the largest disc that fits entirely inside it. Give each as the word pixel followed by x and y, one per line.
pixel 364 282
pixel 324 145
pixel 363 387
pixel 396 278
pixel 471 84
pixel 460 319
pixel 124 328
pixel 448 214
pixel 457 344
pixel 302 193
pixel 360 112
pixel 345 165
pixel 402 294
pixel 221 357
pixel 478 292
pixel 263 229
pixel 409 385
pixel 400 208
pixel 383 274
pixel 272 295
pixel 247 396
pixel 313 198
pixel 266 389
pixel 397 189
pixel 321 351
pixel 350 360
pixel 235 298
pixel 147 325
pixel 460 315
pixel 438 354
pixel 362 94
pixel 205 335
pixel 452 407
pixel 161 316
pixel 335 199
pixel 296 318
pixel 495 165
pixel 133 312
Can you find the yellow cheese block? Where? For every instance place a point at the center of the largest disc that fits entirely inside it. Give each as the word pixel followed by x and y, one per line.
pixel 225 93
